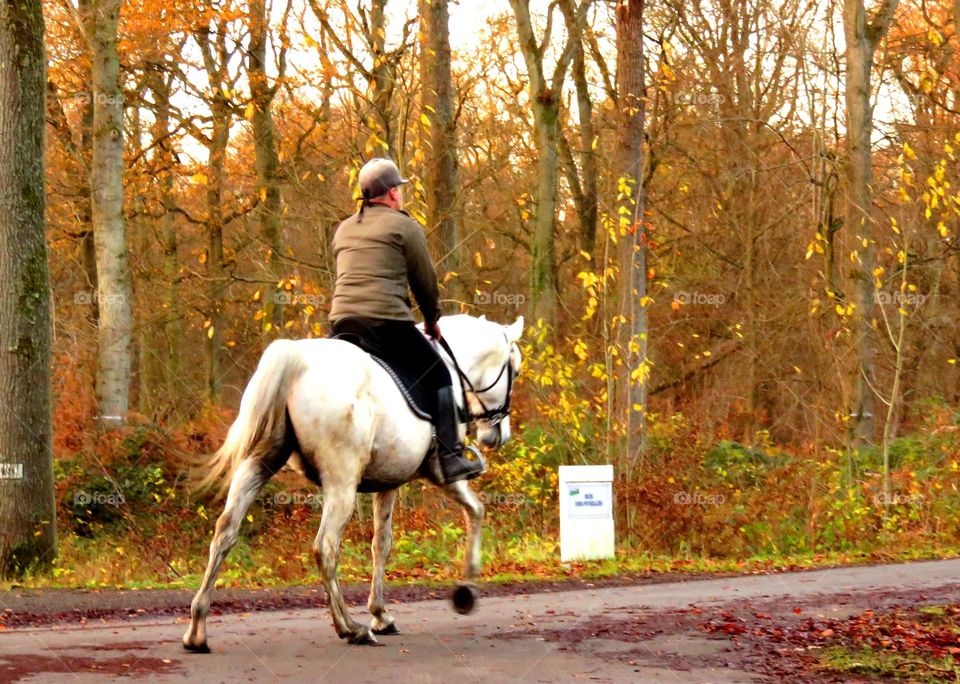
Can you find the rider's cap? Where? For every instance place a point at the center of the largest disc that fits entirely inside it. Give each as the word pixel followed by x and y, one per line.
pixel 377 177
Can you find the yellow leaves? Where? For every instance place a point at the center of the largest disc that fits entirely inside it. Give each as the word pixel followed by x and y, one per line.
pixel 199 178
pixel 425 120
pixel 943 230
pixel 588 279
pixel 935 37
pixel 580 350
pixel 844 311
pixel 591 308
pixel 478 259
pixel 814 246
pixel 250 110
pixel 257 296
pixel 640 373
pixel 908 151
pixel 210 332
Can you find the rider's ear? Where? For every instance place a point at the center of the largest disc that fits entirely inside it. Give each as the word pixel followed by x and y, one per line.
pixel 515 330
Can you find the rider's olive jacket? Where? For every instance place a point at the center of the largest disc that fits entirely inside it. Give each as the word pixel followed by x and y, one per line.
pixel 378 256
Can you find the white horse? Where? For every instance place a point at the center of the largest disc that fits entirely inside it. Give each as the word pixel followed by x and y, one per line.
pixel 326 407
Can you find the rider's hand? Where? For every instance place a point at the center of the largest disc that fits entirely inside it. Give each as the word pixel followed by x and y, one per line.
pixel 432 329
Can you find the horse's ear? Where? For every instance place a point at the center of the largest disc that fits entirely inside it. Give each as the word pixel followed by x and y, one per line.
pixel 515 330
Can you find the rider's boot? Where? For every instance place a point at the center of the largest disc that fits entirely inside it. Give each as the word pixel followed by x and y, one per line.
pixel 453 464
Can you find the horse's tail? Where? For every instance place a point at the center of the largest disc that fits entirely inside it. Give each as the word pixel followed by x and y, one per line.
pixel 260 430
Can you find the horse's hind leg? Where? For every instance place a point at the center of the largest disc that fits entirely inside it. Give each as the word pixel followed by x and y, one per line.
pixel 248 479
pixel 383 503
pixel 338 500
pixel 465 594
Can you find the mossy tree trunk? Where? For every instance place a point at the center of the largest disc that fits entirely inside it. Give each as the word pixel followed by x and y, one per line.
pixel 27 523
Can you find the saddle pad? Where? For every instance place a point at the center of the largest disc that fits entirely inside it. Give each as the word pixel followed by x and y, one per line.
pixel 412 390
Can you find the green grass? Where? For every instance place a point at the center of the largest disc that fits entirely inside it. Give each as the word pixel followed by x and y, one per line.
pixel 881 665
pixel 421 557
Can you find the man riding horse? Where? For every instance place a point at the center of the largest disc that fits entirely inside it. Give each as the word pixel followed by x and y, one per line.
pixel 381 252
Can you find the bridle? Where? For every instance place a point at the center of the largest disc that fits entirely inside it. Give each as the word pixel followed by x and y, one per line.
pixel 493 416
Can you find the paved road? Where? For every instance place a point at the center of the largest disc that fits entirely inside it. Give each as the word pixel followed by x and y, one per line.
pixel 536 638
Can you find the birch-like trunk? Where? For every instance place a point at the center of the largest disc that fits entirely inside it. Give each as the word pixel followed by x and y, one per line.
pixel 106 187
pixel 27 520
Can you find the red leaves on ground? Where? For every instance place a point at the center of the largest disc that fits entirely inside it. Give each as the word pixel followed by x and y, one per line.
pixel 935 634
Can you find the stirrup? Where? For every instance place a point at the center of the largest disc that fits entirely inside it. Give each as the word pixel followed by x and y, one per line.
pixel 477 455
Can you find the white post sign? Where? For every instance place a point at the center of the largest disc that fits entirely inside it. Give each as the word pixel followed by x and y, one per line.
pixel 586 512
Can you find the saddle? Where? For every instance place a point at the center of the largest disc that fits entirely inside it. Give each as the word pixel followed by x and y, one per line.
pixel 415 394
pixel 412 390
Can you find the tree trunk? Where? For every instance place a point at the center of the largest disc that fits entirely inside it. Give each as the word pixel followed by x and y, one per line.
pixel 441 163
pixel 266 162
pixel 106 183
pixel 629 175
pixel 216 285
pixel 27 522
pixel 545 102
pixel 380 120
pixel 584 191
pixel 862 35
pixel 173 328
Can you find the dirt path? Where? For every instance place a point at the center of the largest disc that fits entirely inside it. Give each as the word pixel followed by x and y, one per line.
pixel 631 633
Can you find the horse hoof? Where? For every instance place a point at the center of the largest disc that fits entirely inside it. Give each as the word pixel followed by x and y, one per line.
pixel 196 648
pixel 464 599
pixel 389 629
pixel 363 638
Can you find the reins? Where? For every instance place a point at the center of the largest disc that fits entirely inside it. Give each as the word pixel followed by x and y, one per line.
pixel 494 415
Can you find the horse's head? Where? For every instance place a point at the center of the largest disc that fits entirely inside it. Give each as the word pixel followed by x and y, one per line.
pixel 490 360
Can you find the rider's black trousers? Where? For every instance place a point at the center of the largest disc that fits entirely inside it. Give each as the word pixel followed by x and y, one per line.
pixel 399 343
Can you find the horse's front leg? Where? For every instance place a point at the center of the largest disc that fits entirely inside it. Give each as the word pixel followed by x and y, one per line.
pixel 465 594
pixel 383 502
pixel 338 504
